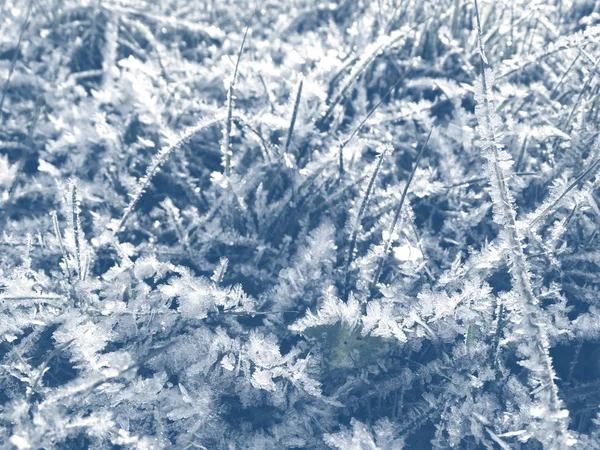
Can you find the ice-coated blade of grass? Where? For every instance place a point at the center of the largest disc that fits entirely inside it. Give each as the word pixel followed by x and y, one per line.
pixel 381 153
pixel 550 208
pixel 587 82
pixel 397 212
pixel 63 252
pixel 383 44
pixel 226 142
pixel 13 61
pixel 75 222
pixel 288 140
pixel 158 160
pixel 577 40
pixel 534 345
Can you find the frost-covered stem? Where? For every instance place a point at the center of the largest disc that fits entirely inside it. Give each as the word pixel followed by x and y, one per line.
pixel 226 143
pixel 579 40
pixel 76 225
pixel 376 107
pixel 173 213
pixel 502 199
pixel 397 212
pixel 110 51
pixel 363 206
pixel 288 141
pixel 13 62
pixel 587 82
pixel 564 76
pixel 383 44
pixel 60 244
pixel 158 160
pixel 265 147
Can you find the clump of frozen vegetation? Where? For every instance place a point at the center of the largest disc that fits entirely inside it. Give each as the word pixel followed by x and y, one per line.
pixel 309 224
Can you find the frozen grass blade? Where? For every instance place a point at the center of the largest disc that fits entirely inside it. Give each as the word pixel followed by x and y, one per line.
pixel 577 40
pixel 564 75
pixel 368 116
pixel 288 141
pixel 61 244
pixel 226 143
pixel 580 95
pixel 535 345
pixel 397 212
pixel 75 222
pixel 382 151
pixel 13 62
pixel 547 211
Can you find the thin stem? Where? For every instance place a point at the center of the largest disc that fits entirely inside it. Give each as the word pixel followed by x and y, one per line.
pixel 61 245
pixel 363 206
pixel 368 116
pixel 159 159
pixel 75 223
pixel 225 145
pixel 13 62
pixel 569 188
pixel 375 50
pixel 294 116
pixel 397 212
